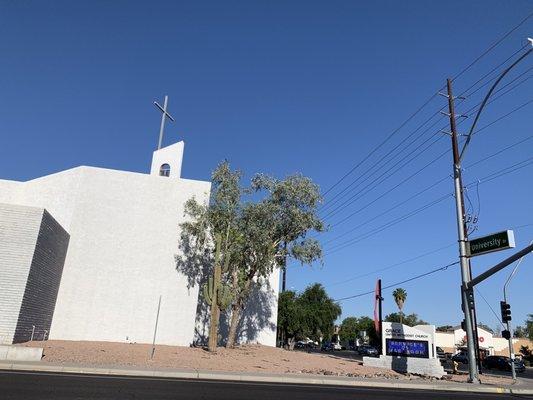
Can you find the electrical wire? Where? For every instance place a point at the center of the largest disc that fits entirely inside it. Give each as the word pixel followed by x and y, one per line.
pixel 491 309
pixel 381 228
pixel 430 252
pixel 401 282
pixel 395 168
pixel 491 47
pixel 503 116
pixel 426 189
pixel 392 266
pixel 501 172
pixel 376 184
pixel 381 144
pixel 388 210
pixel 355 197
pixel 425 103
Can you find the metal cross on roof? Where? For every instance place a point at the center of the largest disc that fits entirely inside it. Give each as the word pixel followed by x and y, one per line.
pixel 164 115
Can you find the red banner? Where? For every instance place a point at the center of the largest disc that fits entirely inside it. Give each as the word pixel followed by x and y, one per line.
pixel 377 297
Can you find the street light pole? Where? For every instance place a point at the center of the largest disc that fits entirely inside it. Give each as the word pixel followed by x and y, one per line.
pixel 489 93
pixel 511 350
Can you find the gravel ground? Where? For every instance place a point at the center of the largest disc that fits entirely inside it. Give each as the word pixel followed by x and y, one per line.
pixel 247 358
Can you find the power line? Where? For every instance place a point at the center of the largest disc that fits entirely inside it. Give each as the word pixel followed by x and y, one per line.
pixel 374 184
pixel 491 47
pixel 508 170
pixel 383 227
pixel 391 189
pixel 385 175
pixel 503 116
pixel 402 282
pixel 381 144
pixel 392 266
pixel 501 39
pixel 498 152
pixel 425 190
pixel 490 72
pixel 340 195
pixel 353 198
pixel 491 309
pixel 388 210
pixel 488 178
pixel 374 272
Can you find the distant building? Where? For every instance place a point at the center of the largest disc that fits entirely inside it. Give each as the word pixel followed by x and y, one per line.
pixel 86 253
pixel 455 339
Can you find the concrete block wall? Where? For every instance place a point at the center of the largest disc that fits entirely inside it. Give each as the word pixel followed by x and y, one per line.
pixel 19 228
pixel 32 252
pixel 40 294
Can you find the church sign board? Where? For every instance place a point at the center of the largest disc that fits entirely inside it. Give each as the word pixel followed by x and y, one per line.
pixel 408 349
pixel 487 244
pixel 405 341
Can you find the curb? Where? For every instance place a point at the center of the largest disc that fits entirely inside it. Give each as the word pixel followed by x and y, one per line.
pixel 259 378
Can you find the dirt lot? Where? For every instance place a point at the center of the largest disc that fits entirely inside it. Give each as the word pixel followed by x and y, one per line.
pixel 248 358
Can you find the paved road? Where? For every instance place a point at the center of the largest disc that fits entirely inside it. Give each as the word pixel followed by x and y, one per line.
pixel 43 386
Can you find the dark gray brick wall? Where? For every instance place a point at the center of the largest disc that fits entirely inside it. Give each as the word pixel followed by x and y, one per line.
pixel 42 286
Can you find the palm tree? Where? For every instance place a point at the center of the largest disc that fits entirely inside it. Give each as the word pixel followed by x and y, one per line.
pixel 400 295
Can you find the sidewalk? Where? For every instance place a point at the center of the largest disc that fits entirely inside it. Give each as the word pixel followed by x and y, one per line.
pixel 521 387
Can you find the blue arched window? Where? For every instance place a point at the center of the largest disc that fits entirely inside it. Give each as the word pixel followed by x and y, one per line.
pixel 164 170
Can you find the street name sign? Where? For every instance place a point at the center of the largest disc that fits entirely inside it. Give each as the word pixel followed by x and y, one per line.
pixel 487 244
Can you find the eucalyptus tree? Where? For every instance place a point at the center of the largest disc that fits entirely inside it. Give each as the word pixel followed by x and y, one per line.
pixel 208 239
pixel 262 226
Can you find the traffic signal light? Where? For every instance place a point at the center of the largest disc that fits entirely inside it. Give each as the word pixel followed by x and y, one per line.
pixel 506 334
pixel 470 298
pixel 463 325
pixel 506 311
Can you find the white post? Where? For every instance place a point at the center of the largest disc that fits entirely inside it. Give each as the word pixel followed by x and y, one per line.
pixel 155 329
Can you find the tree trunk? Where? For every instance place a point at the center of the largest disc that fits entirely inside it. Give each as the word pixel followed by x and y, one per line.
pixel 215 310
pixel 291 343
pixel 235 317
pixel 213 328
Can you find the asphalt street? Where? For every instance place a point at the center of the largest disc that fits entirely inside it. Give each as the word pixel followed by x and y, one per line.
pixel 30 385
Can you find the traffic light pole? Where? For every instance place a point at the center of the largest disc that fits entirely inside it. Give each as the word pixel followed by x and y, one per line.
pixel 511 349
pixel 465 270
pixel 510 340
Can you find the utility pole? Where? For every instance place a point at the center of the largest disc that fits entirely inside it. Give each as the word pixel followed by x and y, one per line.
pixel 466 294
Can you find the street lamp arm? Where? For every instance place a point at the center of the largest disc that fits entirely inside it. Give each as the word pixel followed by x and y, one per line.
pixel 484 102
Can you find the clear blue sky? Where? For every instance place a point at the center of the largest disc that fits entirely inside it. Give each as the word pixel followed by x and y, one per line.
pixel 283 87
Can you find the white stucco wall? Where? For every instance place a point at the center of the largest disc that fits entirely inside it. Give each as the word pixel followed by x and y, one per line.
pixel 124 231
pixel 124 234
pixel 171 155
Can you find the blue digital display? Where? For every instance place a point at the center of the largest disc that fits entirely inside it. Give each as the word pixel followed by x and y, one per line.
pixel 407 348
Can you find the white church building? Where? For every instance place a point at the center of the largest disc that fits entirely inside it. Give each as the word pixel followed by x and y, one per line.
pixel 87 254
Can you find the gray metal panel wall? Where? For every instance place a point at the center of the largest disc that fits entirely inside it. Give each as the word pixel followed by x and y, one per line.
pixel 40 294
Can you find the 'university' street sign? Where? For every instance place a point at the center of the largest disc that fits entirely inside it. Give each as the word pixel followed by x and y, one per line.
pixel 488 244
